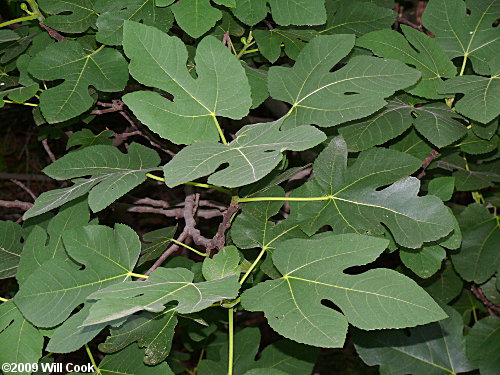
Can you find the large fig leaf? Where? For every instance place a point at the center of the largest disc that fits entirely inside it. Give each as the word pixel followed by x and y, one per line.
pixel 159 60
pixel 112 175
pixel 465 29
pixel 478 258
pixel 105 69
pixel 326 99
pixel 10 248
pixel 433 349
pixel 50 294
pixel 69 16
pixel 350 199
pixel 252 155
pixel 313 270
pixel 418 50
pixel 164 285
pixel 114 13
pixel 20 341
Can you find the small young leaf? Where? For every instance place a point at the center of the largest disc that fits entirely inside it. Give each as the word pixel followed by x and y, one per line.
pixel 224 264
pixel 312 271
pixel 196 17
pixel 425 261
pixel 252 155
pixel 442 187
pixel 285 12
pixel 270 41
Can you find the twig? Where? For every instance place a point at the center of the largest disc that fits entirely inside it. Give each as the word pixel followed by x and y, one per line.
pixel 493 308
pixel 49 152
pixel 404 21
pixel 24 177
pixel 174 212
pixel 114 106
pixel 53 33
pixel 219 240
pixel 25 188
pixel 190 207
pixel 427 161
pixel 16 204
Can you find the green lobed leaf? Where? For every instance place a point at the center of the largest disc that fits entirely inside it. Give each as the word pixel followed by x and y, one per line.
pixel 42 245
pixel 10 248
pixel 465 29
pixel 224 264
pixel 284 356
pixel 20 341
pixel 326 99
pixel 156 243
pixel 445 285
pixel 252 155
pixel 418 50
pixel 113 14
pixel 129 361
pixel 86 138
pixel 163 285
pixel 478 257
pixel 196 17
pixel 153 332
pixel 112 175
pixel 356 17
pixel 349 199
pixel 71 335
pixel 425 261
pixel 480 94
pixel 435 121
pixel 104 69
pixel 270 41
pixel 433 349
pixel 313 270
pixel 442 187
pixel 221 88
pixel 284 12
pixel 483 345
pixel 48 296
pixel 257 79
pixel 69 16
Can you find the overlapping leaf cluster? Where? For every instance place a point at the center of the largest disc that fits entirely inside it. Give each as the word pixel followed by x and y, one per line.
pixel 362 156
